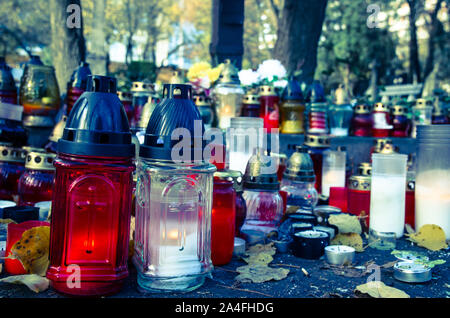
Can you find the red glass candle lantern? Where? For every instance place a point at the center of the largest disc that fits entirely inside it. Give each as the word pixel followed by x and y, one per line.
pixel 126 98
pixel 339 198
pixel 381 121
pixel 250 105
pixel 317 145
pixel 12 165
pixel 15 231
pixel 36 183
pixel 410 201
pixel 92 196
pixel 362 121
pixel 401 123
pixel 269 102
pixel 8 90
pixel 77 84
pixel 223 218
pixel 358 192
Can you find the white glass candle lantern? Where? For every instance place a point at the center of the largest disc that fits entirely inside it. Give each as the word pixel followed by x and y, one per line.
pixel 173 201
pixel 244 135
pixel 333 170
pixel 228 95
pixel 387 196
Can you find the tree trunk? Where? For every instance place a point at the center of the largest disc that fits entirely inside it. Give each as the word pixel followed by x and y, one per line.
pixel 414 63
pixel 68 46
pixel 432 40
pixel 299 29
pixel 98 52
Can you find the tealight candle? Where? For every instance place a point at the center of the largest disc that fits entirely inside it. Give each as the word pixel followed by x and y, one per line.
pixel 339 254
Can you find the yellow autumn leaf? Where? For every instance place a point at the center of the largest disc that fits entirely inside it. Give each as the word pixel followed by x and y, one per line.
pixel 260 273
pixel 430 236
pixel 346 223
pixel 377 289
pixel 32 250
pixel 350 239
pixel 34 282
pixel 198 70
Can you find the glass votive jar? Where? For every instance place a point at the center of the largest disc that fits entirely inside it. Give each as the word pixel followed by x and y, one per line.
pixel 299 179
pixel 362 123
pixel 250 105
pixel 317 145
pixel 381 121
pixel 387 193
pixel 270 109
pixel 421 114
pixel 223 218
pixel 12 166
pixel 261 193
pixel 333 170
pixel 316 118
pixel 39 91
pixel 36 183
pixel 401 123
pixel 292 109
pixel 141 91
pixel 126 98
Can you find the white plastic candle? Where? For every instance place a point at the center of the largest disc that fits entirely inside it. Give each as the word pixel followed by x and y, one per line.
pixel 387 195
pixel 432 196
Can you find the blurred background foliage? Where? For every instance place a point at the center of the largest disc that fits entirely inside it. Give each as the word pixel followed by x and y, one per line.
pixel 137 38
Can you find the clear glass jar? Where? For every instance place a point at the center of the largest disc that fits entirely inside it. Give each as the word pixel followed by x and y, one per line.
pixel 264 210
pixel 228 95
pixel 301 194
pixel 39 91
pixel 173 225
pixel 36 183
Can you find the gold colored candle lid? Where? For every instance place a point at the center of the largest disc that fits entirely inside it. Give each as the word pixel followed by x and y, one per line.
pixel 229 74
pixel 142 87
pixel 125 96
pixel 29 149
pixel 423 102
pixel 379 144
pixel 176 78
pixel 380 107
pixel 267 90
pixel 365 169
pixel 388 148
pixel 202 100
pixel 362 109
pixel 252 99
pixel 322 141
pixel 399 110
pixel 40 161
pixel 361 183
pixel 58 131
pixel 11 154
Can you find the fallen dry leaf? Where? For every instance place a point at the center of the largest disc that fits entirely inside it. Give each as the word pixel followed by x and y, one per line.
pixel 260 273
pixel 430 236
pixel 259 248
pixel 346 223
pixel 32 250
pixel 34 282
pixel 377 289
pixel 350 239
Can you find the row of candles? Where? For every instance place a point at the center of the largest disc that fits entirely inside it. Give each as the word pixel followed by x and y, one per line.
pixel 187 214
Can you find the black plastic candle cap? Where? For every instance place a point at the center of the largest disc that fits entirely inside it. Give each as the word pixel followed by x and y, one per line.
pixel 98 125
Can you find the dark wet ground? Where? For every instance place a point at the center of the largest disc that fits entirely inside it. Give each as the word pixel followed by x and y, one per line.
pixel 322 281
